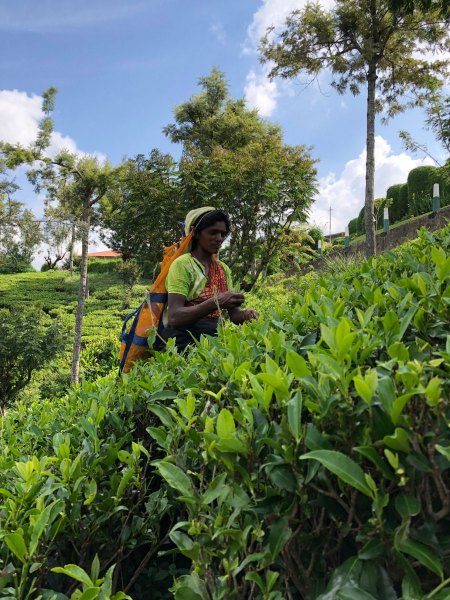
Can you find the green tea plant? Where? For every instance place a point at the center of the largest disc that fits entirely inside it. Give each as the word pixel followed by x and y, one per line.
pixel 28 341
pixel 305 455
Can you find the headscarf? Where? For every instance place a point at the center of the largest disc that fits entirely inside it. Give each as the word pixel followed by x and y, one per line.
pixel 193 215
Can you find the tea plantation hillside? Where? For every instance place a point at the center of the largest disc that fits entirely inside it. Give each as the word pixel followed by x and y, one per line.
pixel 302 456
pixel 55 293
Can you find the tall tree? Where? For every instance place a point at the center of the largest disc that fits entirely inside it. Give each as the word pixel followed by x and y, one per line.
pixel 364 44
pixel 234 160
pixel 77 182
pixel 142 214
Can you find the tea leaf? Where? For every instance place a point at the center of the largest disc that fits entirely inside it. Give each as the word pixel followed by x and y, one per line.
pixel 294 411
pixel 407 505
pixel 297 364
pixel 342 466
pixel 424 554
pixel 16 544
pixel 175 477
pixel 225 424
pixel 75 572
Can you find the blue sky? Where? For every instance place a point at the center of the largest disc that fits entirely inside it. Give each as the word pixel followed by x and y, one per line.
pixel 121 68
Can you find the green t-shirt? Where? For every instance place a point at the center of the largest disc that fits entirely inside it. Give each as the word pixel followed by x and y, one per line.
pixel 186 276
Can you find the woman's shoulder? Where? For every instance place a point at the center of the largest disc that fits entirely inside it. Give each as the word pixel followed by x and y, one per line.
pixel 183 260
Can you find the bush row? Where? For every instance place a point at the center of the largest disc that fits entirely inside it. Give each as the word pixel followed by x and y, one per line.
pixel 305 455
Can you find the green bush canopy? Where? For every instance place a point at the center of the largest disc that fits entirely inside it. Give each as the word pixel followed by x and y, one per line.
pixel 304 455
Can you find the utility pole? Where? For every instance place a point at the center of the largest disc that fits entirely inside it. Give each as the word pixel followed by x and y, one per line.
pixel 330 223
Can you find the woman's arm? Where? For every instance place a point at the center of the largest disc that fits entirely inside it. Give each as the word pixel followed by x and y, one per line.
pixel 181 315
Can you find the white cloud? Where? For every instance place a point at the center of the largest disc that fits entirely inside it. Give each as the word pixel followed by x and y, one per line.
pixel 19 121
pixel 345 194
pixel 19 116
pixel 261 93
pixel 273 13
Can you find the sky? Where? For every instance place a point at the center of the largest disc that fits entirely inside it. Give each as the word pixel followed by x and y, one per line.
pixel 122 67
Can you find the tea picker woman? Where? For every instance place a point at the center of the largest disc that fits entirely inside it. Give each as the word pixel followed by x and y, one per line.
pixel 199 285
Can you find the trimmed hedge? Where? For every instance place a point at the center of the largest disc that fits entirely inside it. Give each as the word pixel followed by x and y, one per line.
pixel 399 208
pixel 420 189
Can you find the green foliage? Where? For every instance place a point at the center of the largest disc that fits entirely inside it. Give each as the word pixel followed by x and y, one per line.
pixel 238 162
pixel 399 207
pixel 55 293
pixel 99 357
pixel 103 265
pixel 420 189
pixel 130 272
pixel 28 340
pixel 303 455
pixel 364 45
pixel 338 263
pixel 316 235
pixel 20 235
pixel 353 226
pixel 10 264
pixel 142 213
pixel 297 247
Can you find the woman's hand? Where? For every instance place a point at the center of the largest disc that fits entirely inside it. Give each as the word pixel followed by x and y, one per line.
pixel 239 316
pixel 229 300
pixel 250 314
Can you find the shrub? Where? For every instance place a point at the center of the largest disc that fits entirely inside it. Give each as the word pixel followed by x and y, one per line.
pixel 353 226
pixel 103 265
pixel 9 265
pixel 28 340
pixel 303 455
pixel 399 208
pixel 420 189
pixel 316 235
pixel 99 357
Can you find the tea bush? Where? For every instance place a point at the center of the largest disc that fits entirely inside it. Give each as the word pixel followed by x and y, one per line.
pixel 305 455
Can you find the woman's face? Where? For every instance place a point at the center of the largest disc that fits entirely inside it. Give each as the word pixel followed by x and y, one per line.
pixel 211 238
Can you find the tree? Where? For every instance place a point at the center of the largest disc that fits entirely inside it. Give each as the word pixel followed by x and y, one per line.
pixel 438 121
pixel 78 183
pixel 20 236
pixel 142 213
pixel 28 340
pixel 82 183
pixel 442 7
pixel 234 160
pixel 59 229
pixel 364 43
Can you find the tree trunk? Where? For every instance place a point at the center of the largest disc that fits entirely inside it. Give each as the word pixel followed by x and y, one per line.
pixel 370 161
pixel 72 245
pixel 81 291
